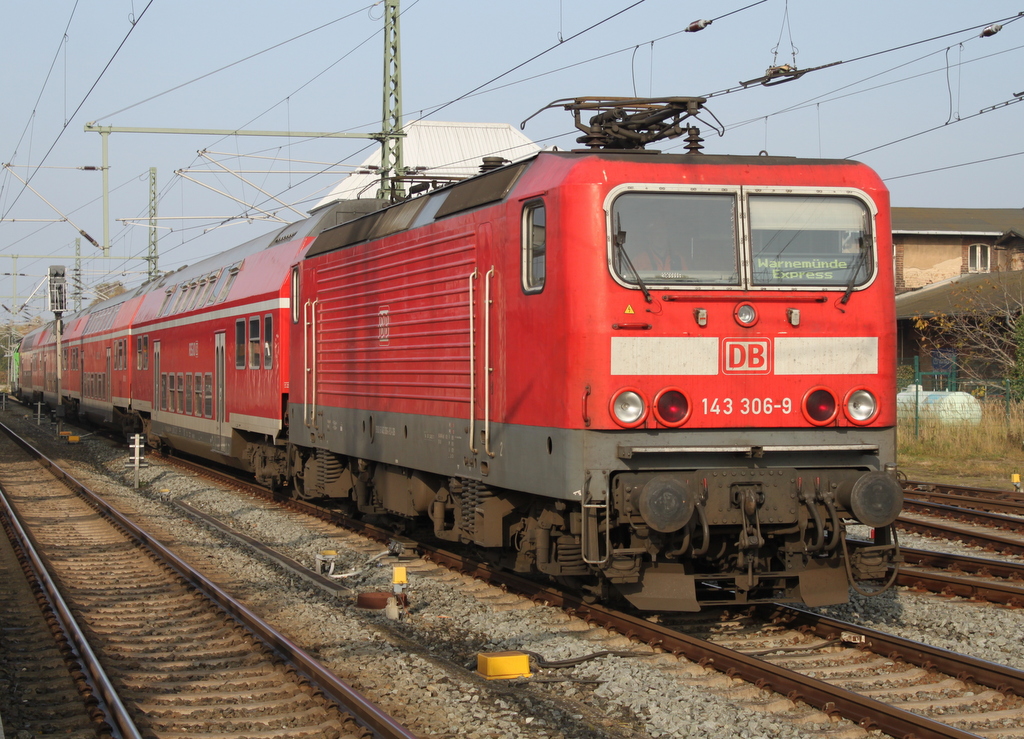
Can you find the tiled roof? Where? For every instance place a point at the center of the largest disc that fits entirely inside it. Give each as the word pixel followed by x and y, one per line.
pixel 953 295
pixel 966 221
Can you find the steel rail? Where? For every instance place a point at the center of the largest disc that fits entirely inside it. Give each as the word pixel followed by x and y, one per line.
pixel 104 692
pixel 1000 677
pixel 379 722
pixel 985 518
pixel 950 531
pixel 962 501
pixel 951 583
pixel 867 712
pixel 912 486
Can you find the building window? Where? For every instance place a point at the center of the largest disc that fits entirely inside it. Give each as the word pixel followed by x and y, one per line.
pixel 977 260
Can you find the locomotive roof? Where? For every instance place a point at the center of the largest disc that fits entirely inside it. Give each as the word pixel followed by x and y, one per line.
pixel 494 185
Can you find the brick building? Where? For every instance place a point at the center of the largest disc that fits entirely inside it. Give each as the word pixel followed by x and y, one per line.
pixel 935 244
pixel 940 252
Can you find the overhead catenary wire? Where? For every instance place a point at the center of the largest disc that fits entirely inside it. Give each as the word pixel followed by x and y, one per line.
pixel 82 102
pixel 748 85
pixel 955 166
pixel 1016 99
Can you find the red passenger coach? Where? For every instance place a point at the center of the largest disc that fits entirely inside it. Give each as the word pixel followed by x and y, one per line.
pixel 666 375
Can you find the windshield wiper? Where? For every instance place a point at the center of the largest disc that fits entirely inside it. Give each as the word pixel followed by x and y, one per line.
pixel 620 249
pixel 856 270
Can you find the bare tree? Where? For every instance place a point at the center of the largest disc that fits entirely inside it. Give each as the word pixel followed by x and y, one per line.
pixel 981 325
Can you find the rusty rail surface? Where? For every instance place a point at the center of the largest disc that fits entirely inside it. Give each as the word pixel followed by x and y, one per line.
pixel 354 703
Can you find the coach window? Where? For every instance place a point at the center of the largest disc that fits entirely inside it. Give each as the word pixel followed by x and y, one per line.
pixel 188 394
pixel 534 247
pixel 268 338
pixel 226 288
pixel 179 302
pixel 193 296
pixel 240 343
pixel 199 394
pixel 812 240
pixel 145 352
pixel 295 294
pixel 163 391
pixel 215 280
pixel 167 299
pixel 208 396
pixel 254 342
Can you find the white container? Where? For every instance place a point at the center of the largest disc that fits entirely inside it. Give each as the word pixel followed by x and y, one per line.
pixel 942 406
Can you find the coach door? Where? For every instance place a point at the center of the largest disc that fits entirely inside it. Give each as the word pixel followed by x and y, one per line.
pixel 222 443
pixel 157 397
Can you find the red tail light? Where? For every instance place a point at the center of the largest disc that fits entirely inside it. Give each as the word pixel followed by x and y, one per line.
pixel 820 406
pixel 671 407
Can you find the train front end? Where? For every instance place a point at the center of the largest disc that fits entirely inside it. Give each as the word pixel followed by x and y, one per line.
pixel 740 376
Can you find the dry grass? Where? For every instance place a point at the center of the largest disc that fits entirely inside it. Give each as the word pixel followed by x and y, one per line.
pixel 987 453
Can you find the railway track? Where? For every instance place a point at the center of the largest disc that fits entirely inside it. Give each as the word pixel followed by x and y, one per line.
pixel 41 676
pixel 184 658
pixel 977 578
pixel 990 519
pixel 879 681
pixel 761 674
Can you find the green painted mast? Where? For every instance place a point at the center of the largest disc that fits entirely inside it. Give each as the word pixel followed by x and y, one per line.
pixel 391 165
pixel 151 256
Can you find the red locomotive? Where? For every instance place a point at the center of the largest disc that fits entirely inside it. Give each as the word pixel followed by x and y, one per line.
pixel 666 375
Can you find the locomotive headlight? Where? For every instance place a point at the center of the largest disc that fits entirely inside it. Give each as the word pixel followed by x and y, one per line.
pixel 628 408
pixel 861 406
pixel 671 407
pixel 820 406
pixel 745 314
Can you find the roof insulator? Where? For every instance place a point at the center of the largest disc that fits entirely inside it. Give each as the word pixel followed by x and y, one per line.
pixel 697 26
pixel 490 163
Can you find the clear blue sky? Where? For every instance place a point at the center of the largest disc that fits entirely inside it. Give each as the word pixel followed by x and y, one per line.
pixel 69 62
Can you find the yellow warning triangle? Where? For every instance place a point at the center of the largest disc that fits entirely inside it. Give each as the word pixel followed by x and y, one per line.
pixel 629 310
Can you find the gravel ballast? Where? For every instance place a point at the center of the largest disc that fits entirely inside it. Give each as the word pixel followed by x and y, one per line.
pixel 422 668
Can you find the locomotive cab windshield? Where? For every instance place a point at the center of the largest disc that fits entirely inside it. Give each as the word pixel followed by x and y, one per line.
pixel 659 237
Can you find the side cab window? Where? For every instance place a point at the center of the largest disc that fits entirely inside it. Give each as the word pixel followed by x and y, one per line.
pixel 534 246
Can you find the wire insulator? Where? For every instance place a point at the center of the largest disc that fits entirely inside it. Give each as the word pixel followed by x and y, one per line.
pixel 991 30
pixel 700 26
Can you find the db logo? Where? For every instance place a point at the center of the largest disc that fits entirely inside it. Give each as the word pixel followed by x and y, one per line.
pixel 747 355
pixel 384 324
